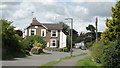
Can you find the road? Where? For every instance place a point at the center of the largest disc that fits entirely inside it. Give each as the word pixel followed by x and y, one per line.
pixel 37 60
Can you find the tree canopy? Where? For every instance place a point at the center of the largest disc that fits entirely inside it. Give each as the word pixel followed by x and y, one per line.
pixel 11 42
pixel 113 31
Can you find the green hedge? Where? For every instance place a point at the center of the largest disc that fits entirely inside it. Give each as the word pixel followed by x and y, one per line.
pixel 97 51
pixel 63 49
pixel 107 54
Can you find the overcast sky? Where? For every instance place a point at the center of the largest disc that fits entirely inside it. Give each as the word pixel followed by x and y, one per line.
pixel 52 11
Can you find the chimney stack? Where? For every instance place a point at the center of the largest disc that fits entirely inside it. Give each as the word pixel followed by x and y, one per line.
pixel 34 19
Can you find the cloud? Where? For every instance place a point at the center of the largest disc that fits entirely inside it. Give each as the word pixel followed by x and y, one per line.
pixel 81 1
pixel 82 13
pixel 24 11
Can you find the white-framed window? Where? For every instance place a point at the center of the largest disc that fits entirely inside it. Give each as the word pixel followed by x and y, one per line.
pixel 43 32
pixel 32 32
pixel 53 43
pixel 54 33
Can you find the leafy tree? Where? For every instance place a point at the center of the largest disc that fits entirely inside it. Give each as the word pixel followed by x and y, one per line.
pixel 30 40
pixel 111 41
pixel 113 31
pixel 11 42
pixel 92 29
pixel 66 28
pixel 36 44
pixel 68 42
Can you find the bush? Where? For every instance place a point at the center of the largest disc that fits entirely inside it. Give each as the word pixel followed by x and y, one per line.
pixel 34 50
pixel 107 54
pixel 111 54
pixel 30 40
pixel 97 51
pixel 88 45
pixel 64 50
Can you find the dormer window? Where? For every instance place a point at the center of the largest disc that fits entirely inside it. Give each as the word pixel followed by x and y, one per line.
pixel 43 32
pixel 54 33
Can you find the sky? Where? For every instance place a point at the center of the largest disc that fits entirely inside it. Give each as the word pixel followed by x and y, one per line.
pixel 83 12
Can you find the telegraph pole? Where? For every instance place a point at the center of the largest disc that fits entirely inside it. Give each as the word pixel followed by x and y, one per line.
pixel 96 23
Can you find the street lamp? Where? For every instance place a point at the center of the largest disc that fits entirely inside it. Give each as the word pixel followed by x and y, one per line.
pixel 71 33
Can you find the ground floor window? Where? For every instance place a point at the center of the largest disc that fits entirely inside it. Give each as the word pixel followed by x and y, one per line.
pixel 53 43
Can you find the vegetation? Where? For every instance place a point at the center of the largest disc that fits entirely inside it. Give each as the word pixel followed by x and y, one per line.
pixel 93 35
pixel 50 64
pixel 69 57
pixel 113 31
pixel 88 45
pixel 63 49
pixel 11 42
pixel 33 41
pixel 88 61
pixel 66 28
pixel 107 51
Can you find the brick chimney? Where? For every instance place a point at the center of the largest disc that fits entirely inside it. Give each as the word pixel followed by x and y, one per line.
pixel 34 19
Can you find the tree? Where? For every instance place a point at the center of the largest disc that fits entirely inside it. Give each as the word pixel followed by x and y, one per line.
pixel 11 42
pixel 30 40
pixel 68 42
pixel 113 31
pixel 92 29
pixel 111 40
pixel 66 28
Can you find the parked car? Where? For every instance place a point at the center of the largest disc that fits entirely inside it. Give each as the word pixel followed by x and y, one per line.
pixel 82 48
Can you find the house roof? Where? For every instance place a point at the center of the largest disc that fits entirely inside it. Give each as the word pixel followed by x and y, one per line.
pixel 49 26
pixel 53 26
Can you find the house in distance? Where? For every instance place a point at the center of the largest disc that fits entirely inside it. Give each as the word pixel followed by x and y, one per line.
pixel 52 33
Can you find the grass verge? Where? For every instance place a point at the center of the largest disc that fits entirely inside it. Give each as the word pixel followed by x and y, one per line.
pixel 50 64
pixel 69 57
pixel 86 62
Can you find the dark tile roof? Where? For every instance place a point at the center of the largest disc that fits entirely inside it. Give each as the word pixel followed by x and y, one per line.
pixel 53 26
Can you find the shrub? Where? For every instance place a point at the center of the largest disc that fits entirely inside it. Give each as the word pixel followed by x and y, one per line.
pixel 37 48
pixel 30 40
pixel 107 54
pixel 64 50
pixel 111 55
pixel 97 51
pixel 88 45
pixel 34 50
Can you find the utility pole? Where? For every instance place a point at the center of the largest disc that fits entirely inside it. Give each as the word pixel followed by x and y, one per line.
pixel 71 50
pixel 96 23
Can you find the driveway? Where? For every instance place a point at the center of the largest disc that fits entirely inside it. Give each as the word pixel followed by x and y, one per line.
pixel 37 60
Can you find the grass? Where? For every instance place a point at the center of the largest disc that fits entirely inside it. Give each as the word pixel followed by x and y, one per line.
pixel 10 56
pixel 50 64
pixel 69 57
pixel 87 62
pixel 44 53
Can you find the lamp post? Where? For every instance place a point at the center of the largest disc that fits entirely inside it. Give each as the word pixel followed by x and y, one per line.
pixel 71 51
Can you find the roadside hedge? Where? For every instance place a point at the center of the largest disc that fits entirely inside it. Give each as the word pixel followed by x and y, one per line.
pixel 63 49
pixel 107 54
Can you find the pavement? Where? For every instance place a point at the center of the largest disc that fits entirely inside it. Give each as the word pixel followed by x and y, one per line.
pixel 71 62
pixel 38 60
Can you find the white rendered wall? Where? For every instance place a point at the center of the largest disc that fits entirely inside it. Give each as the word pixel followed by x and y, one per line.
pixel 62 40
